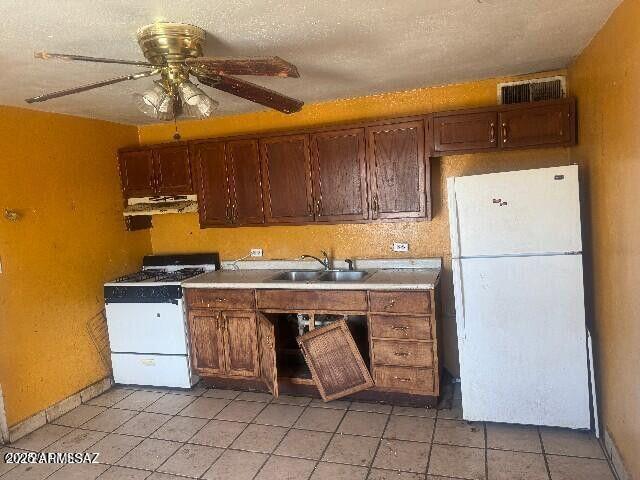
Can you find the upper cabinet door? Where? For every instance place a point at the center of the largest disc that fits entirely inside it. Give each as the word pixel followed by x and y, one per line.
pixel 212 183
pixel 173 170
pixel 286 179
pixel 538 126
pixel 137 173
pixel 336 365
pixel 461 132
pixel 205 333
pixel 267 352
pixel 339 175
pixel 397 170
pixel 243 160
pixel 241 346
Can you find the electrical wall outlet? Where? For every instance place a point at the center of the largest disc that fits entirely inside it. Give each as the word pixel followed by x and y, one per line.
pixel 256 252
pixel 400 247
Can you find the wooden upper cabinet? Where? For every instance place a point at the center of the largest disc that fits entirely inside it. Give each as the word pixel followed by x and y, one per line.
pixel 397 170
pixel 339 175
pixel 173 170
pixel 207 350
pixel 465 131
pixel 212 184
pixel 243 165
pixel 286 179
pixel 137 172
pixel 537 126
pixel 241 343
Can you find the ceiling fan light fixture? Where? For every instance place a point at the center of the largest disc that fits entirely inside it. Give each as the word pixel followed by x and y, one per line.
pixel 156 103
pixel 195 103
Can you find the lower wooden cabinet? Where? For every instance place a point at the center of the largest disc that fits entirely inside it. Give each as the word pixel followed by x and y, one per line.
pixel 224 343
pixel 343 341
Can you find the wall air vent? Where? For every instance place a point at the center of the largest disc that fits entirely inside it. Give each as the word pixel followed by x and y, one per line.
pixel 533 90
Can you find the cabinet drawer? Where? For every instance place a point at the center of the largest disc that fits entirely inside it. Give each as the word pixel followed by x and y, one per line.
pixel 343 300
pixel 406 353
pixel 394 326
pixel 220 299
pixel 400 302
pixel 404 378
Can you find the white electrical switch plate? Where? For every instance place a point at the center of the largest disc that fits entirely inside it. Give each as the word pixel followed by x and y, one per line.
pixel 256 252
pixel 400 247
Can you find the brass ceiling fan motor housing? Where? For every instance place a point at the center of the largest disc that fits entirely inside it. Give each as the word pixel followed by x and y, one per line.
pixel 165 43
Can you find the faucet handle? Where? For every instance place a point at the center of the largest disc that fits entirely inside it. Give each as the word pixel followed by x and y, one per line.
pixel 349 262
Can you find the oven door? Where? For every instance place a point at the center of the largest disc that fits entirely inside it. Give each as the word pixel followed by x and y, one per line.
pixel 147 328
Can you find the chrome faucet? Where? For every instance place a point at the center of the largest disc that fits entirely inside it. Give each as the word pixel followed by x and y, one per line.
pixel 324 262
pixel 349 262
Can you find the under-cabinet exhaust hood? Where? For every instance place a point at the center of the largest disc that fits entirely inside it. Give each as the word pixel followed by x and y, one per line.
pixel 161 205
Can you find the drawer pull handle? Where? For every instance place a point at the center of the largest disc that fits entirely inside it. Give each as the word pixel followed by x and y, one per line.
pixel 402 379
pixel 391 303
pixel 220 299
pixel 401 354
pixel 402 328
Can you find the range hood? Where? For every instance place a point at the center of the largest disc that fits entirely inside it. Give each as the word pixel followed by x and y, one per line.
pixel 161 205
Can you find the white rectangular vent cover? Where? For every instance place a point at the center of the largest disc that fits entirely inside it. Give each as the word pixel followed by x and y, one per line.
pixel 534 90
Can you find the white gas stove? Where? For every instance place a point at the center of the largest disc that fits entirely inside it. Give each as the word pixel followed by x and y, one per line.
pixel 147 324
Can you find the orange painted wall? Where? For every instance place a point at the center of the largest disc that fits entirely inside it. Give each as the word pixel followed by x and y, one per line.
pixel 606 79
pixel 59 172
pixel 181 233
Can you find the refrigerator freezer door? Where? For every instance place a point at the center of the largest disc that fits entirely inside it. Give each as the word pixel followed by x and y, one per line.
pixel 523 351
pixel 515 213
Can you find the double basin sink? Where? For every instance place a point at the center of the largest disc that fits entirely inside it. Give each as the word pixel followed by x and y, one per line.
pixel 322 276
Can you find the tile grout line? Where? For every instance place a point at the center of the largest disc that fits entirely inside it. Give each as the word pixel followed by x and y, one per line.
pixel 544 454
pixel 486 452
pixel 433 437
pixel 323 450
pixel 375 454
pixel 269 455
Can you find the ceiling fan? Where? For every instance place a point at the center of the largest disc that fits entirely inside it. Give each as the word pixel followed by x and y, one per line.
pixel 174 51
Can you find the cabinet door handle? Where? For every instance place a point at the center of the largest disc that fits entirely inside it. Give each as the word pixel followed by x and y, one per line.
pixel 319 207
pixel 504 132
pixel 309 208
pixel 492 132
pixel 402 328
pixel 402 379
pixel 375 203
pixel 401 354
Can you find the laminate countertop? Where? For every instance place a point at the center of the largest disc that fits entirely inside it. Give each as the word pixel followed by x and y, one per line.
pixel 263 278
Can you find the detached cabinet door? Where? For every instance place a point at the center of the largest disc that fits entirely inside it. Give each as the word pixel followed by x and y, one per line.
pixel 286 179
pixel 173 170
pixel 243 163
pixel 136 173
pixel 396 162
pixel 241 349
pixel 207 352
pixel 336 365
pixel 461 132
pixel 212 184
pixel 339 175
pixel 533 126
pixel 267 351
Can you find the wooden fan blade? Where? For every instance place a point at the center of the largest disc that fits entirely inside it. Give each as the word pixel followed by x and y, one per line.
pixel 253 92
pixel 82 58
pixel 91 86
pixel 266 66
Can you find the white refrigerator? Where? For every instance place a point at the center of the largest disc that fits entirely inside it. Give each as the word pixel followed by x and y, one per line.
pixel 518 284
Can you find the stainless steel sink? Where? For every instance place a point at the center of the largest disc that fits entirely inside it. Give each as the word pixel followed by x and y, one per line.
pixel 297 276
pixel 343 275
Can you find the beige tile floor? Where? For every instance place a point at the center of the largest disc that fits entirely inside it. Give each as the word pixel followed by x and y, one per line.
pixel 226 434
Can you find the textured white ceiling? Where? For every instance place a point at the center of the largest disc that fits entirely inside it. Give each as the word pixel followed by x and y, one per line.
pixel 343 48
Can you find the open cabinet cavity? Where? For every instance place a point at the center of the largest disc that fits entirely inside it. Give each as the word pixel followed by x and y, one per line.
pixel 290 326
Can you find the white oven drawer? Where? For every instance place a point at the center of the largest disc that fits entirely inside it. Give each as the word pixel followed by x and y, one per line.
pixel 147 328
pixel 156 370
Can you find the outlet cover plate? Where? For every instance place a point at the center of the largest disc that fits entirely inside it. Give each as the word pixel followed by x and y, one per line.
pixel 400 247
pixel 256 252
